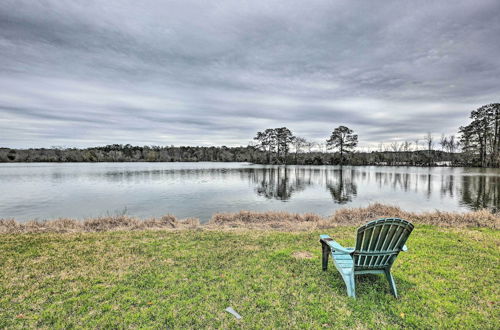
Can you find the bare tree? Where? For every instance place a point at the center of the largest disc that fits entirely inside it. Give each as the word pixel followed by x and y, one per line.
pixel 429 141
pixel 309 145
pixel 451 146
pixel 443 142
pixel 322 147
pixel 407 146
pixel 299 144
pixel 417 144
pixel 395 146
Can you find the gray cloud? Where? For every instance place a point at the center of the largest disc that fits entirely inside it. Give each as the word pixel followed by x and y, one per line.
pixel 214 72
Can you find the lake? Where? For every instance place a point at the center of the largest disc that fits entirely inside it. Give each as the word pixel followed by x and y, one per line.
pixel 82 190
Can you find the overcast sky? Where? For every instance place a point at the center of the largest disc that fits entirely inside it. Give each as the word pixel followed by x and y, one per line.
pixel 86 73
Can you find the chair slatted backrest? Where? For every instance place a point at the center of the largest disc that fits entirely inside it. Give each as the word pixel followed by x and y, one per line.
pixel 379 242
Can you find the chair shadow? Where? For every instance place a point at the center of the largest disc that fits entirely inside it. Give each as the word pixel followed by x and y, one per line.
pixel 367 284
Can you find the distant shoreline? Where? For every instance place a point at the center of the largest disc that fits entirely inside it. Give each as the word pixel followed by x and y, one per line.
pixel 222 162
pixel 249 154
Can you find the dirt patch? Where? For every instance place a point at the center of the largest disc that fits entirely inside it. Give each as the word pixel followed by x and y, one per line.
pixel 302 255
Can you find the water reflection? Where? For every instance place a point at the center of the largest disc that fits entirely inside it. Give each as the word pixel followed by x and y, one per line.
pixel 282 183
pixel 201 189
pixel 479 192
pixel 279 182
pixel 341 185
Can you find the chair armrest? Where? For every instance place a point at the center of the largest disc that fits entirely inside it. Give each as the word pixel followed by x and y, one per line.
pixel 334 245
pixel 405 248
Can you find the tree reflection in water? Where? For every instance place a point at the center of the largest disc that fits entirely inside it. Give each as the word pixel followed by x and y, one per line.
pixel 474 190
pixel 201 189
pixel 481 192
pixel 282 182
pixel 341 185
pixel 279 182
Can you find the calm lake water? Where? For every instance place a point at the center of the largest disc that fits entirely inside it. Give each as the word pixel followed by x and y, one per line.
pixel 81 190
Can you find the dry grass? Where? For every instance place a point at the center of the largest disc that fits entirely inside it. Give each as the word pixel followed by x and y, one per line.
pixel 282 221
pixel 358 216
pixel 10 226
pixel 266 220
pixel 351 217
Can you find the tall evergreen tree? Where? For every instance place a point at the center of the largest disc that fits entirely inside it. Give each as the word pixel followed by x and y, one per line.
pixel 480 139
pixel 267 141
pixel 284 138
pixel 343 139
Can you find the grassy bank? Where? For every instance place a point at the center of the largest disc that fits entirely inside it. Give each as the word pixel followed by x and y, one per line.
pixel 186 278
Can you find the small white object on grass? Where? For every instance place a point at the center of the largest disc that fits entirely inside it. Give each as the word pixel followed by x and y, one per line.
pixel 232 311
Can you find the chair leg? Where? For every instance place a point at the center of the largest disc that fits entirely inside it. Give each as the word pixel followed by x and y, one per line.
pixel 326 253
pixel 392 284
pixel 350 284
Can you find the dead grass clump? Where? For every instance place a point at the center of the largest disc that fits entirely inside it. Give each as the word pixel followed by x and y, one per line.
pixel 8 226
pixel 357 216
pixel 263 217
pixel 108 223
pixel 481 218
pixel 265 220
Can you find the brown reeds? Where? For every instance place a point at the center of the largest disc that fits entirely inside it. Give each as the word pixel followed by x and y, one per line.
pixel 352 217
pixel 96 224
pixel 258 220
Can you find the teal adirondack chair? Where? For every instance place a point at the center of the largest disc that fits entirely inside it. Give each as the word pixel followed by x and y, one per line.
pixel 378 243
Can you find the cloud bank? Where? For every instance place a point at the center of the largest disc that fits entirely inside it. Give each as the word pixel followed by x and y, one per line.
pixel 85 73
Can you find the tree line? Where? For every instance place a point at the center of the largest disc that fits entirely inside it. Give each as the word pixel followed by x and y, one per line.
pixel 478 144
pixel 129 153
pixel 276 143
pixel 340 149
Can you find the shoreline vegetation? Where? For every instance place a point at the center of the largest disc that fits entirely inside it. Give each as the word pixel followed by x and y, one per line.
pixel 279 221
pixel 118 153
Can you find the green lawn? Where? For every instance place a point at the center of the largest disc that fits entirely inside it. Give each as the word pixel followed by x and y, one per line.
pixel 450 278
